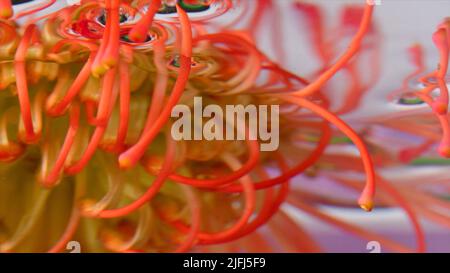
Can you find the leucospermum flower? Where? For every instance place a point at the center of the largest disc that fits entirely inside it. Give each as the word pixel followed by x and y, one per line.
pixel 87 93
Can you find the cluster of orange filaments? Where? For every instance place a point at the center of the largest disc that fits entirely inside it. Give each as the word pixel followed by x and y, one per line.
pixel 87 92
pixel 432 82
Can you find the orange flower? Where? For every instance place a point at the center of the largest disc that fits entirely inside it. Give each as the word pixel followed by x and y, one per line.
pixel 85 144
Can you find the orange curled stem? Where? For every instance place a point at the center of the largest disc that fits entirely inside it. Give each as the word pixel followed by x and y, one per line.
pixel 250 199
pixel 138 33
pixel 160 84
pixel 351 51
pixel 111 55
pixel 21 81
pixel 97 135
pixel 252 161
pixel 97 67
pixel 8 33
pixel 290 173
pixel 314 19
pixel 53 175
pixel 440 38
pixel 105 101
pixel 271 204
pixel 249 73
pixel 124 111
pixel 74 89
pixel 6 10
pixel 90 150
pixel 366 199
pixel 131 156
pixel 151 191
pixel 441 42
pixel 9 150
pixel 444 147
pixel 90 107
pixel 440 105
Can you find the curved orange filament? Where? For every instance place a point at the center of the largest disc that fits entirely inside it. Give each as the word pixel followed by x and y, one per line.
pixel 8 33
pixel 314 18
pixel 6 10
pixel 29 37
pixel 54 173
pixel 106 98
pixel 252 161
pixel 124 105
pixel 358 87
pixel 444 147
pixel 441 39
pixel 151 191
pixel 130 157
pixel 111 58
pixel 9 150
pixel 139 32
pixel 59 107
pixel 98 68
pixel 351 51
pixel 270 206
pixel 111 55
pixel 366 198
pixel 249 195
pixel 97 135
pixel 290 173
pixel 160 85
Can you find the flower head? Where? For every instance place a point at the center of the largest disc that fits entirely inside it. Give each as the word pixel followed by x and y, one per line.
pixel 87 151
